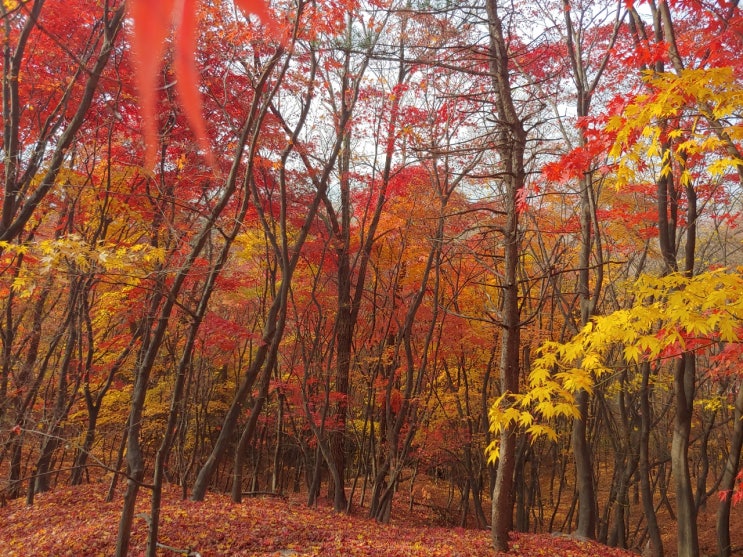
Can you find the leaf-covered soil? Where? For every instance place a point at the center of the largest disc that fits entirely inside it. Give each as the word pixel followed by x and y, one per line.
pixel 77 522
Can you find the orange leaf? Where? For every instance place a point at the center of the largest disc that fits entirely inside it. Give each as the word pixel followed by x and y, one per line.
pixel 187 75
pixel 152 22
pixel 259 8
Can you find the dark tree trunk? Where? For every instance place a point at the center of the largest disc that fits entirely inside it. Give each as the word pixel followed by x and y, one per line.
pixel 247 436
pixel 41 481
pixel 684 378
pixel 648 505
pixel 727 484
pixel 511 145
pixel 584 471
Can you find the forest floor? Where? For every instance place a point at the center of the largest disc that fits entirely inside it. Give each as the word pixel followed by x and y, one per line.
pixel 78 522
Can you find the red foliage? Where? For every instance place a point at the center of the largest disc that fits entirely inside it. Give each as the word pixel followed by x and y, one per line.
pixel 152 25
pixel 736 493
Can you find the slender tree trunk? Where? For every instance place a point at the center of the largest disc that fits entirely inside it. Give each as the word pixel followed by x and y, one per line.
pixel 727 484
pixel 134 457
pixel 313 491
pixel 618 536
pixel 407 414
pixel 247 435
pixel 587 504
pixel 503 493
pixel 344 327
pixel 81 458
pixel 684 387
pixel 16 463
pixel 344 336
pixel 230 421
pixel 94 408
pixel 583 471
pixel 276 483
pixel 684 378
pixel 175 410
pixel 648 505
pixel 21 402
pixel 590 243
pixel 119 463
pixel 511 145
pixel 684 375
pixel 41 481
pixel 349 296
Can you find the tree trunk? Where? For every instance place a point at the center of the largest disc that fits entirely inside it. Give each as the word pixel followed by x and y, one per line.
pixel 511 145
pixel 503 493
pixel 648 505
pixel 16 462
pixel 94 408
pixel 583 471
pixel 134 457
pixel 727 484
pixel 276 482
pixel 81 458
pixel 230 421
pixel 344 338
pixel 683 384
pixel 247 434
pixel 41 480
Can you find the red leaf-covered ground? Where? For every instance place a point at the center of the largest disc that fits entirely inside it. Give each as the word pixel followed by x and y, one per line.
pixel 77 521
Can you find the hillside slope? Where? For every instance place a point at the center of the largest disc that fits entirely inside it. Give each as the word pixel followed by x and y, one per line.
pixel 77 521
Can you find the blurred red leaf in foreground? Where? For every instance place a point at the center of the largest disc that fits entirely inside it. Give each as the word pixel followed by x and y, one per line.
pixel 152 24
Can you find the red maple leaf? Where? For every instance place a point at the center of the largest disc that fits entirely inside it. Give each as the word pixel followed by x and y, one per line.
pixel 152 23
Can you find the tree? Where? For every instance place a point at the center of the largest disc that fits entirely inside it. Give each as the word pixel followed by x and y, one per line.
pixel 586 85
pixel 278 225
pixel 40 142
pixel 510 145
pixel 51 95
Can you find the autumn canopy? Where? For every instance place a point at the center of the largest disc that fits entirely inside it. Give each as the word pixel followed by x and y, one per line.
pixel 471 263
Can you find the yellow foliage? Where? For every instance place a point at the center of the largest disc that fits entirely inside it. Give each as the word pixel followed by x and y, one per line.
pixel 711 94
pixel 115 407
pixel 711 404
pixel 71 255
pixel 668 313
pixel 250 243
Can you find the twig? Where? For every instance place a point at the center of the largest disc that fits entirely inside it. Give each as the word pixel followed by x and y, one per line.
pixel 189 552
